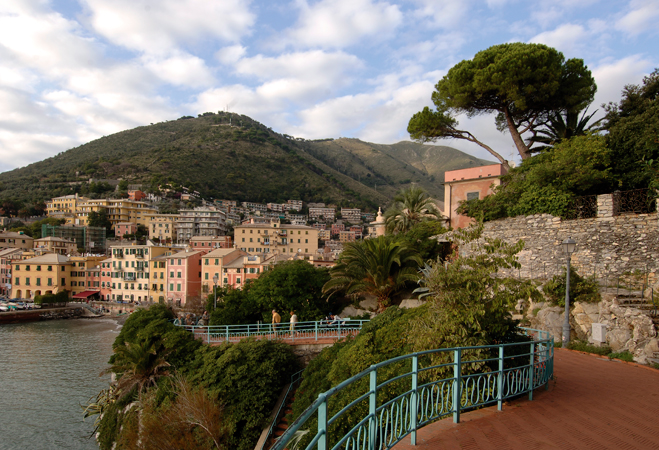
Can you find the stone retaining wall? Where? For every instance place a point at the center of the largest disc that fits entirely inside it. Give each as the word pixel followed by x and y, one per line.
pixel 607 245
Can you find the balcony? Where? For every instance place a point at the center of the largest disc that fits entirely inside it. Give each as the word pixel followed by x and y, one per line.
pixel 139 255
pixel 118 255
pixel 128 276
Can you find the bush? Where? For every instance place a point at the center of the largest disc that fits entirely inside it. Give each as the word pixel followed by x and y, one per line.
pixel 623 356
pixel 582 346
pixel 581 289
pixel 50 299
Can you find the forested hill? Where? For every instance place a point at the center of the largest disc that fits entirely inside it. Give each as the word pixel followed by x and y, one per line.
pixel 227 155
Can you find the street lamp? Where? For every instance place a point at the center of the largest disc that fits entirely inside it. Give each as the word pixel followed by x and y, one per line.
pixel 215 279
pixel 568 246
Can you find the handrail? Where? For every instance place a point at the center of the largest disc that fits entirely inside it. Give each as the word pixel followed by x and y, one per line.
pixel 322 329
pixel 428 400
pixel 295 378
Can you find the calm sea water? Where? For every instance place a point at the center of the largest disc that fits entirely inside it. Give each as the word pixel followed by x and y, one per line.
pixel 47 370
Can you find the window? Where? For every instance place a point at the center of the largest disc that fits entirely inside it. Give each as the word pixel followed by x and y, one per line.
pixel 206 261
pixel 18 267
pixel 178 275
pixel 38 281
pixel 27 282
pixel 171 286
pixel 206 276
pixel 171 274
pixel 27 267
pixel 472 196
pixel 243 239
pixel 50 282
pixel 238 280
pixel 179 262
pixel 306 241
pixel 226 281
pixel 38 268
pixel 217 262
pixel 18 281
pixel 178 287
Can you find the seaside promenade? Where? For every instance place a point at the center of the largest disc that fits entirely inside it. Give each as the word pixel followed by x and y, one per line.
pixel 592 403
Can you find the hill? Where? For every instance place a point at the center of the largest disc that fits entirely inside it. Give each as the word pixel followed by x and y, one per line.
pixel 227 155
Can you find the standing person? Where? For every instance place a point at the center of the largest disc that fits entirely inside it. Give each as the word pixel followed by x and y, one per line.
pixel 276 318
pixel 293 321
pixel 204 319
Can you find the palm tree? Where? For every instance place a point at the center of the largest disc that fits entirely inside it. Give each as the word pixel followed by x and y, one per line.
pixel 559 128
pixel 137 365
pixel 411 206
pixel 379 267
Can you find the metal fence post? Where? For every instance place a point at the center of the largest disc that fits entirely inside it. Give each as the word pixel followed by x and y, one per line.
pixel 457 384
pixel 531 370
pixel 500 380
pixel 208 334
pixel 227 332
pixel 414 399
pixel 372 408
pixel 322 423
pixel 315 325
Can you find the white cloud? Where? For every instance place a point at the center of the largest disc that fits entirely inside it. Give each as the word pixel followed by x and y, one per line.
pixel 612 76
pixel 643 17
pixel 443 13
pixel 181 69
pixel 159 26
pixel 566 38
pixel 230 54
pixel 341 23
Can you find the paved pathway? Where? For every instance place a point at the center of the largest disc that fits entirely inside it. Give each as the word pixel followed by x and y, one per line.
pixel 593 403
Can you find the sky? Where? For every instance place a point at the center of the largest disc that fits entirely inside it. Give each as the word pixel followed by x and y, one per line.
pixel 72 71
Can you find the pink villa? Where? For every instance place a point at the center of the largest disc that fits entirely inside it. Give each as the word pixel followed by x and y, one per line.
pixel 106 279
pixel 123 228
pixel 468 184
pixel 184 276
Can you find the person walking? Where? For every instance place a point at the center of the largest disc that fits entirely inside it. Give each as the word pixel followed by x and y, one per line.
pixel 276 318
pixel 293 321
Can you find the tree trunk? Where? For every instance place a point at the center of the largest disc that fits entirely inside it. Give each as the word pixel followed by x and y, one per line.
pixel 522 148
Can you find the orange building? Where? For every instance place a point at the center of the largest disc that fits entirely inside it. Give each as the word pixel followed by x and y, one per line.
pixel 468 184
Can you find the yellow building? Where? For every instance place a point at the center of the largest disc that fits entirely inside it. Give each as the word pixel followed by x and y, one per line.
pixel 75 210
pixel 131 271
pixel 56 245
pixel 78 275
pixel 12 239
pixel 274 237
pixel 158 277
pixel 46 274
pixel 162 227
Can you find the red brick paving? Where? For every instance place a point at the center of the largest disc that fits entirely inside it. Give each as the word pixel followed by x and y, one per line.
pixel 593 403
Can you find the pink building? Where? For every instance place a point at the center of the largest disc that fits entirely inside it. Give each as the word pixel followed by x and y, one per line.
pixel 468 184
pixel 337 228
pixel 123 228
pixel 106 279
pixel 136 195
pixel 357 230
pixel 184 276
pixel 209 243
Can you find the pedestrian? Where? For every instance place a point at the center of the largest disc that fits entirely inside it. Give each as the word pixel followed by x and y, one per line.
pixel 293 321
pixel 204 319
pixel 276 318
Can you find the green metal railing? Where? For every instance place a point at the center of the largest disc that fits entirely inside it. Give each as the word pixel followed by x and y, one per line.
pixel 301 331
pixel 506 371
pixel 295 380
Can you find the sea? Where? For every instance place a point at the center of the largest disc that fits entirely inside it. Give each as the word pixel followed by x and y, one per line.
pixel 47 371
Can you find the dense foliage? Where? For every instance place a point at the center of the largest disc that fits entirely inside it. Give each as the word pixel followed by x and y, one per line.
pixel 549 181
pixel 191 395
pixel 410 207
pixel 288 286
pixel 633 132
pixel 522 83
pixel 582 289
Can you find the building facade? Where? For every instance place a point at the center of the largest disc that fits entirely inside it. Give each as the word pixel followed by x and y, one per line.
pixel 274 237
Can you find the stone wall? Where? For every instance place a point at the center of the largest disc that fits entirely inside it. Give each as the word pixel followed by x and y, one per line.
pixel 607 245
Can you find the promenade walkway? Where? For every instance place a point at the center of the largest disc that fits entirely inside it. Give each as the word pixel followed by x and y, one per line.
pixel 593 403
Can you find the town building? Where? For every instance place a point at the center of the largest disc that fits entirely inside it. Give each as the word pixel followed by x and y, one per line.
pixel 274 237
pixel 162 227
pixel 352 215
pixel 130 270
pixel 91 239
pixel 255 206
pixel 75 210
pixel 123 228
pixel 209 243
pixel 184 277
pixel 337 228
pixel 201 221
pixel 78 276
pixel 56 245
pixel 322 214
pixel 213 265
pixel 158 277
pixel 468 184
pixel 7 257
pixel 13 239
pixel 347 236
pixel 378 227
pixel 46 274
pixel 106 279
pixel 136 195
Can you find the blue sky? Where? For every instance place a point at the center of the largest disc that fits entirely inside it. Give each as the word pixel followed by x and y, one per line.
pixel 74 70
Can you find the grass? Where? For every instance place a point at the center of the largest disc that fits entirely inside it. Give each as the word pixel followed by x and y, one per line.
pixel 623 356
pixel 582 346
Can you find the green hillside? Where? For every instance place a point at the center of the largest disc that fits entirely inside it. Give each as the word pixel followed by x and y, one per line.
pixel 231 156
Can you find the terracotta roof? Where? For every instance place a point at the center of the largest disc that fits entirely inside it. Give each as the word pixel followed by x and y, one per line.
pixel 49 258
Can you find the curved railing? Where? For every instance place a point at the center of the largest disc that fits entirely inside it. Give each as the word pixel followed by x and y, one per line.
pixel 302 331
pixel 479 376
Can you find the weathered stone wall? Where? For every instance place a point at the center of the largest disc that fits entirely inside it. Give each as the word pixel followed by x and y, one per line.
pixel 607 245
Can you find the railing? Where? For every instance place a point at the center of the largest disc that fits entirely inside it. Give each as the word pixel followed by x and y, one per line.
pixel 302 331
pixel 506 371
pixel 295 379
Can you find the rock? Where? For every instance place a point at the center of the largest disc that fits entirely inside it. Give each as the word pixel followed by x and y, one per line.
pixel 410 303
pixel 370 303
pixel 351 311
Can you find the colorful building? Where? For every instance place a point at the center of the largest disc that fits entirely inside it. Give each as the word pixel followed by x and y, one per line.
pixel 274 237
pixel 213 265
pixel 46 274
pixel 184 276
pixel 468 184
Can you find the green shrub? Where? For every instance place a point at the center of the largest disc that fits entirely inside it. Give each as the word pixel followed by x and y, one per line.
pixel 624 356
pixel 50 299
pixel 582 346
pixel 581 289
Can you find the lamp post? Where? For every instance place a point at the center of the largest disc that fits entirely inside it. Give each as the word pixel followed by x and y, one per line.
pixel 215 279
pixel 568 245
